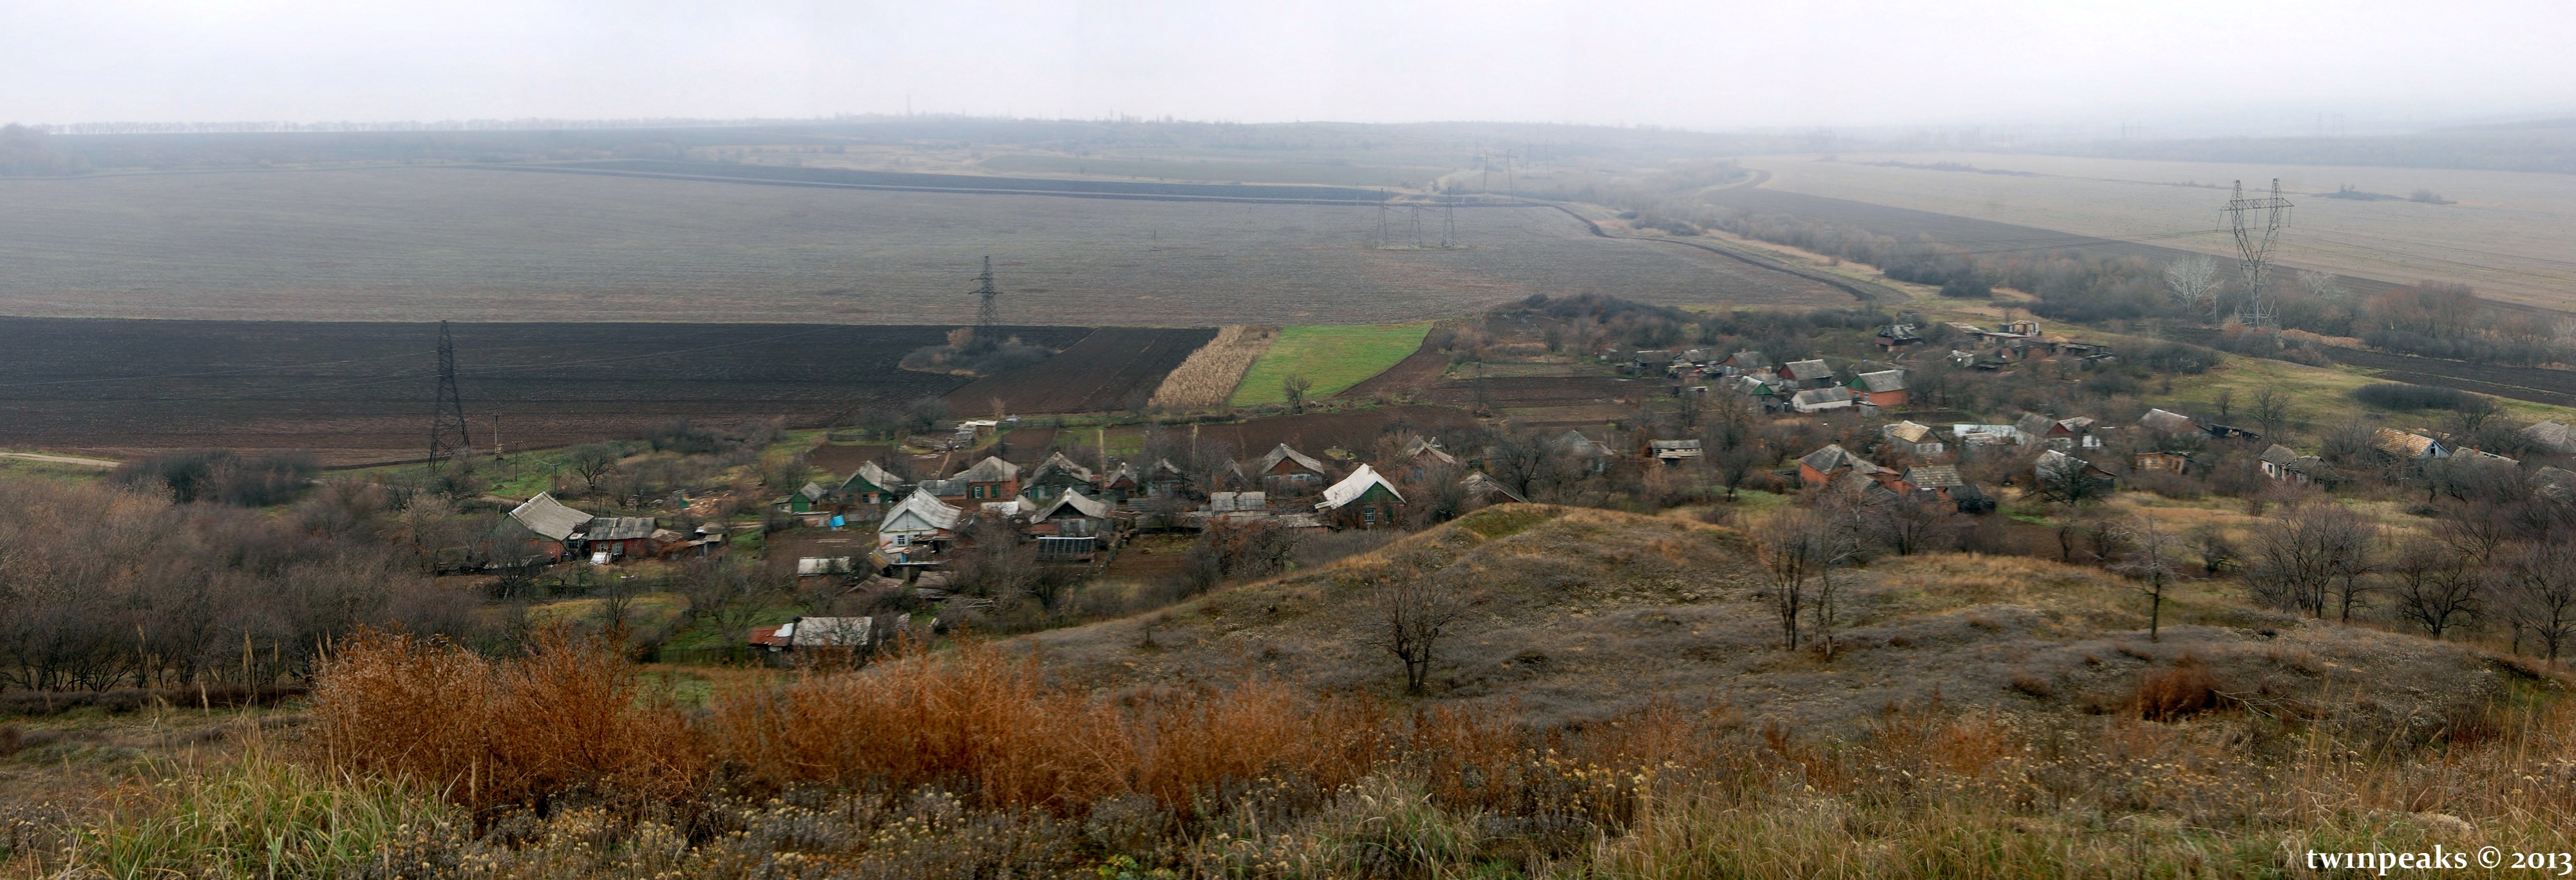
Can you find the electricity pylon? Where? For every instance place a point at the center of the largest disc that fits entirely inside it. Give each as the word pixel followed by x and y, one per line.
pixel 2255 249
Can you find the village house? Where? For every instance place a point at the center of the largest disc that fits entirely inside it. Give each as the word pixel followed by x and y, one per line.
pixel 1594 456
pixel 1807 374
pixel 1896 336
pixel 1674 451
pixel 1882 388
pixel 1743 362
pixel 2554 436
pixel 2400 444
pixel 1482 489
pixel 1120 484
pixel 2059 466
pixel 1933 480
pixel 1056 476
pixel 1815 400
pixel 1920 440
pixel 2280 463
pixel 1823 466
pixel 1071 528
pixel 1167 480
pixel 2554 483
pixel 920 518
pixel 2168 423
pixel 549 527
pixel 989 480
pixel 610 538
pixel 1286 468
pixel 1238 505
pixel 2167 461
pixel 1424 458
pixel 814 634
pixel 870 484
pixel 1988 435
pixel 823 566
pixel 1363 499
pixel 2064 434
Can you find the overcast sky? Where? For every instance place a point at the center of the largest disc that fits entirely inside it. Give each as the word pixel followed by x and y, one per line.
pixel 1706 65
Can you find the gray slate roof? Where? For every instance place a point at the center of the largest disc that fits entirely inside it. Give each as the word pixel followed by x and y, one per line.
pixel 1883 380
pixel 1809 370
pixel 619 528
pixel 546 516
pixel 1284 453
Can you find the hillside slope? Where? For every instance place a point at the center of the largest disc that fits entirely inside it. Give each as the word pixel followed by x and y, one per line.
pixel 1583 613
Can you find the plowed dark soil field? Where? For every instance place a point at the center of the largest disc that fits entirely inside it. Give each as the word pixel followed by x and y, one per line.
pixel 1102 372
pixel 361 392
pixel 1355 430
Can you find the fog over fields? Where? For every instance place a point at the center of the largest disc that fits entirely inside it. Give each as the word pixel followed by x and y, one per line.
pixel 424 243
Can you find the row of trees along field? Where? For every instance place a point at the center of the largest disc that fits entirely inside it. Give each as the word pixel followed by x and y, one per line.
pixel 2429 318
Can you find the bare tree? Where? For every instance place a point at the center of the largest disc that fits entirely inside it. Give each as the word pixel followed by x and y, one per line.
pixel 1407 617
pixel 2436 587
pixel 1296 386
pixel 2194 283
pixel 1795 548
pixel 2542 595
pixel 2301 554
pixel 2272 411
pixel 2154 556
pixel 1912 525
pixel 591 463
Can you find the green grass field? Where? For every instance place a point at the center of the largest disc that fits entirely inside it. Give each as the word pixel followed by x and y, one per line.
pixel 1335 357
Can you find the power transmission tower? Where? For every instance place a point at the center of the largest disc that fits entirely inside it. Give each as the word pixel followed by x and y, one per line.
pixel 1416 215
pixel 447 437
pixel 1381 225
pixel 988 314
pixel 2255 249
pixel 1448 223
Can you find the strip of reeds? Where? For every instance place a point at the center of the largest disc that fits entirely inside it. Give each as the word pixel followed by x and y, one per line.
pixel 1207 377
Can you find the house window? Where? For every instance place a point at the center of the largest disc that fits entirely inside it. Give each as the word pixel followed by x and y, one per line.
pixel 975 491
pixel 1368 515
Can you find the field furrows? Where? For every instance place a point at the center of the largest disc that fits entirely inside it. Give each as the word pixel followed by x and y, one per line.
pixel 1113 368
pixel 424 243
pixel 354 393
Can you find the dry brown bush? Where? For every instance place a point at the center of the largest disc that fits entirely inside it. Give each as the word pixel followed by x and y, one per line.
pixel 975 720
pixel 2178 692
pixel 568 718
pixel 1207 377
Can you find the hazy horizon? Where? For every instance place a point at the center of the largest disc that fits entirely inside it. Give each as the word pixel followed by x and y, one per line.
pixel 2177 70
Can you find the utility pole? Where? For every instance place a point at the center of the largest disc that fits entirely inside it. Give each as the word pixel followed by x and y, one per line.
pixel 2255 248
pixel 497 453
pixel 988 314
pixel 447 437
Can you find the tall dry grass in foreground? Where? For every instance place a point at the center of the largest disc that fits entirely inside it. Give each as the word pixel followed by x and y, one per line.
pixel 1207 377
pixel 967 763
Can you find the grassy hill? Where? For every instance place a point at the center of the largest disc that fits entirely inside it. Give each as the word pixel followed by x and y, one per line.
pixel 1581 613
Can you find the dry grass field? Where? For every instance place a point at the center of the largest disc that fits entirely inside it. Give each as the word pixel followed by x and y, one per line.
pixel 423 243
pixel 1209 375
pixel 2510 233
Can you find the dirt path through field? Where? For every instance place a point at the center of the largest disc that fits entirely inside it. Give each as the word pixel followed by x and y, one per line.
pixel 61 459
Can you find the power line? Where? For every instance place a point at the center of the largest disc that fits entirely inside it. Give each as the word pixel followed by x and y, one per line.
pixel 447 436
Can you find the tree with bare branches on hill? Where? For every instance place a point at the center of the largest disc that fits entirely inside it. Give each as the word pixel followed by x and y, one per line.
pixel 1407 617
